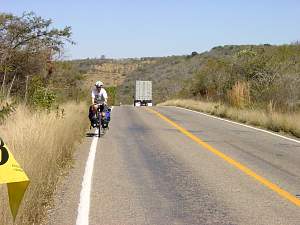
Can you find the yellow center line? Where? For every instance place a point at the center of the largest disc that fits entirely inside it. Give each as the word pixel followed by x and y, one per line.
pixel 231 161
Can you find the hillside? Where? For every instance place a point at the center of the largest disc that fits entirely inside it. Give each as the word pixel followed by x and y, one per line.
pixel 168 75
pixel 172 74
pixel 269 70
pixel 111 72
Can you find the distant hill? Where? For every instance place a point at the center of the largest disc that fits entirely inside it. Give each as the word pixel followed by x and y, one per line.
pixel 173 74
pixel 114 72
pixel 168 75
pixel 110 71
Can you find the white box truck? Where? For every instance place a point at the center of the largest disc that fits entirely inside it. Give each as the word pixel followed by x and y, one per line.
pixel 143 93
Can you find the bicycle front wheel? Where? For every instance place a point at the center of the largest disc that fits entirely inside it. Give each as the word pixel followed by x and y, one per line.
pixel 99 125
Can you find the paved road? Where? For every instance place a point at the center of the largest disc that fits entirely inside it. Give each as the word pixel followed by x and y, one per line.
pixel 148 172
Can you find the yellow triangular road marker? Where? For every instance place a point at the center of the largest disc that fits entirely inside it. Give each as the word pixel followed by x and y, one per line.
pixel 16 179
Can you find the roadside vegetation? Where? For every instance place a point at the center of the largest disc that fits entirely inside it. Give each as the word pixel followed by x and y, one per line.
pixel 43 143
pixel 253 77
pixel 288 123
pixel 43 110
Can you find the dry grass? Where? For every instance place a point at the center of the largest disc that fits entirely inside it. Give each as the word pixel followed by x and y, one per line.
pixel 42 143
pixel 278 122
pixel 239 95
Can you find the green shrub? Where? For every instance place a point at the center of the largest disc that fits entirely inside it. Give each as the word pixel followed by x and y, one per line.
pixel 43 98
pixel 5 111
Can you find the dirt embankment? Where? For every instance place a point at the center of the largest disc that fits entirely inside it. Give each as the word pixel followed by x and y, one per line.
pixel 113 73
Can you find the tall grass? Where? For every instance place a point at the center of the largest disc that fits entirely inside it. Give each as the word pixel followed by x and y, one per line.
pixel 269 119
pixel 239 95
pixel 42 143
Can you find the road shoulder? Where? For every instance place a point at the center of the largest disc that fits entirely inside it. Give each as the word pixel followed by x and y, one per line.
pixel 63 209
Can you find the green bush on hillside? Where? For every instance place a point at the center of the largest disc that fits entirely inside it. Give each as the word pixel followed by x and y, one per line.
pixel 271 73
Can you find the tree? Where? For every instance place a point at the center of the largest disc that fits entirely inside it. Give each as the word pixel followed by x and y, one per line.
pixel 27 46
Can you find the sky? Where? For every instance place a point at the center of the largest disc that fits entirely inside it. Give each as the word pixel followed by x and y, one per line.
pixel 141 28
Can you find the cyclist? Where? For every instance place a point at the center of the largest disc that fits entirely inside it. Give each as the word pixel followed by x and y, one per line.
pixel 99 99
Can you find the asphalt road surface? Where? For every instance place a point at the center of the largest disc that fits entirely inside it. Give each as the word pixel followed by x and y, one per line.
pixel 146 171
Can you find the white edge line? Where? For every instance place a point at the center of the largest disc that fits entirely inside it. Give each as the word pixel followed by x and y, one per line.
pixel 84 203
pixel 85 194
pixel 240 124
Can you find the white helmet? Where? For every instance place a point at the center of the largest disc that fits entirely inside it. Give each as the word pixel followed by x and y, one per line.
pixel 98 83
